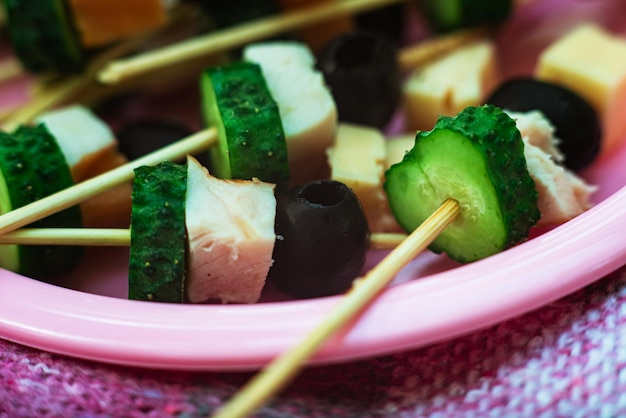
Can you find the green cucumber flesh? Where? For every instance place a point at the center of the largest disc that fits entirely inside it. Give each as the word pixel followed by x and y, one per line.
pixel 44 36
pixel 476 158
pixel 157 265
pixel 236 100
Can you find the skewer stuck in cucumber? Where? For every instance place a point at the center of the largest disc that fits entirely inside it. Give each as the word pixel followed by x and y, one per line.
pixel 476 158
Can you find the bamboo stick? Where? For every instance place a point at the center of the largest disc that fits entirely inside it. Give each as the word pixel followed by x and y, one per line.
pixel 230 38
pixel 120 237
pixel 280 371
pixel 80 192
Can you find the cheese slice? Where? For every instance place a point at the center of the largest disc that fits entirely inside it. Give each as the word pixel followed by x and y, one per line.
pixel 358 159
pixel 591 62
pixel 449 84
pixel 102 22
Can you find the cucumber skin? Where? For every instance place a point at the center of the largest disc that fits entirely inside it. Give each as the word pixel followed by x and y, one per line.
pixel 448 15
pixel 157 265
pixel 37 39
pixel 32 160
pixel 252 142
pixel 51 168
pixel 495 135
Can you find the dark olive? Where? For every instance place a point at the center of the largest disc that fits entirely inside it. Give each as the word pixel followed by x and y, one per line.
pixel 576 123
pixel 388 21
pixel 322 240
pixel 361 70
pixel 142 136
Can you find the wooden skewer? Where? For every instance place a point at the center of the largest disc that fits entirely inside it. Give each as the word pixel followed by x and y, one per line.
pixel 425 51
pixel 67 88
pixel 280 371
pixel 230 38
pixel 120 237
pixel 10 68
pixel 80 192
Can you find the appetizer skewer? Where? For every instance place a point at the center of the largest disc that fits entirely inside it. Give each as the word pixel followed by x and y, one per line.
pixel 80 192
pixel 279 373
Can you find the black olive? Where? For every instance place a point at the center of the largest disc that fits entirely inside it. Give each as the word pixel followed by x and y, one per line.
pixel 388 21
pixel 322 240
pixel 142 136
pixel 362 72
pixel 576 123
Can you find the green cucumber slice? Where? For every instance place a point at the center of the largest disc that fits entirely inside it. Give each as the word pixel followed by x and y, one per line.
pixel 158 238
pixel 49 166
pixel 477 158
pixel 236 100
pixel 43 35
pixel 31 167
pixel 447 15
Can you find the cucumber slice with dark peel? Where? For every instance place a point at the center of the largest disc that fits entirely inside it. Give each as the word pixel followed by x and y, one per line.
pixel 50 166
pixel 158 238
pixel 32 166
pixel 43 35
pixel 447 15
pixel 477 158
pixel 251 142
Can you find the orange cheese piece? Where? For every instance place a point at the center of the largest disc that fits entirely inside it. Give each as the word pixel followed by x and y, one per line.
pixel 591 62
pixel 102 22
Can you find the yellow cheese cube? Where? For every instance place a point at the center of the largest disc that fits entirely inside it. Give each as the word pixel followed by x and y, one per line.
pixel 397 147
pixel 449 84
pixel 591 62
pixel 358 159
pixel 102 22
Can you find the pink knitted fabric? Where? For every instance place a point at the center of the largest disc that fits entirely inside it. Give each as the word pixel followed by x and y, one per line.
pixel 567 359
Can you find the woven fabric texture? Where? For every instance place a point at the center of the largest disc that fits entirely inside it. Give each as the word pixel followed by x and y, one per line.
pixel 567 359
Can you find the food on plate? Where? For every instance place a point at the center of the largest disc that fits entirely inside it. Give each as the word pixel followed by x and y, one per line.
pixel 322 239
pixel 362 72
pixel 32 166
pixel 476 158
pixel 91 148
pixel 307 109
pixel 591 61
pixel 230 228
pixel 55 35
pixel 358 159
pixel 100 23
pixel 576 123
pixel 449 84
pixel 446 15
pixel 276 112
pixel 43 35
pixel 236 100
pixel 158 263
pixel 562 194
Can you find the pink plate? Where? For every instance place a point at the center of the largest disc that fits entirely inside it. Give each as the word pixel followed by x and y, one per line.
pixel 432 299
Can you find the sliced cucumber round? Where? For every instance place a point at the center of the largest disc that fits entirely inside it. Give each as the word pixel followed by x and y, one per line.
pixel 236 100
pixel 478 159
pixel 32 166
pixel 44 36
pixel 447 15
pixel 158 238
